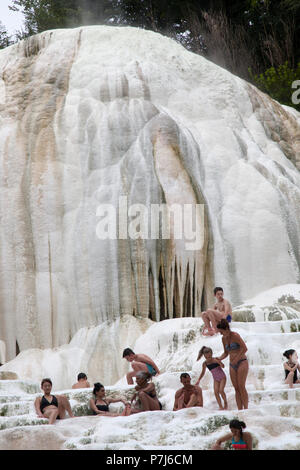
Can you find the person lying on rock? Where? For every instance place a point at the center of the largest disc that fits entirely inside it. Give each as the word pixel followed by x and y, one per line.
pixel 82 381
pixel 212 316
pixel 189 395
pixel 139 362
pixel 290 367
pixel 239 440
pixel 100 404
pixel 51 406
pixel 145 398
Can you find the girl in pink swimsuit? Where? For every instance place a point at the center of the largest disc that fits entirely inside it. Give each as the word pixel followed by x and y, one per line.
pixel 215 366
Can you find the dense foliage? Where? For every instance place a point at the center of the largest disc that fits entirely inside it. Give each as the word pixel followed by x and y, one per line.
pixel 258 35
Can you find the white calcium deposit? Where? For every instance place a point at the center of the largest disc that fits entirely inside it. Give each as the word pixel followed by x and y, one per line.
pixel 91 114
pixel 273 416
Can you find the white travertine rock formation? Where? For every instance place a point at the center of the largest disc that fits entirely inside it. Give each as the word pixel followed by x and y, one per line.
pixel 2 352
pixel 91 114
pixel 95 351
pixel 273 416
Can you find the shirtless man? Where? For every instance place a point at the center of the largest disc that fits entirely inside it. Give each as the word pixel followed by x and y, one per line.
pixel 213 316
pixel 189 395
pixel 139 362
pixel 82 381
pixel 51 406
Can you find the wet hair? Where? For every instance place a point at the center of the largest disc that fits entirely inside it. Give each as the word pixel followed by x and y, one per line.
pixel 143 375
pixel 202 351
pixel 223 325
pixel 236 424
pixel 184 374
pixel 44 381
pixel 81 376
pixel 288 353
pixel 97 387
pixel 216 289
pixel 127 352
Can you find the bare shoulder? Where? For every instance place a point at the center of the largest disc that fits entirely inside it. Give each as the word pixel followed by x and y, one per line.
pixel 144 357
pixel 235 335
pixel 38 399
pixel 179 392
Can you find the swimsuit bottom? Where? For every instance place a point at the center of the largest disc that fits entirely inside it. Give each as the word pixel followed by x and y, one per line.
pixel 236 366
pixel 57 417
pixel 151 369
pixel 150 395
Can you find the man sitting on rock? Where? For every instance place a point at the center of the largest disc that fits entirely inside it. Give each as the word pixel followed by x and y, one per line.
pixel 189 395
pixel 212 316
pixel 139 362
pixel 82 381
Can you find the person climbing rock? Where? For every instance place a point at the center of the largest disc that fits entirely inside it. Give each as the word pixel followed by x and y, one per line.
pixel 215 366
pixel 221 310
pixel 139 362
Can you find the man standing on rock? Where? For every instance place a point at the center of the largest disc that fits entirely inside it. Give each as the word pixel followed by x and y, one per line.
pixel 189 395
pixel 212 316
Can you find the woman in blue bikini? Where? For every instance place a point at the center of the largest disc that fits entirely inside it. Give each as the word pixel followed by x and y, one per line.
pixel 139 362
pixel 236 348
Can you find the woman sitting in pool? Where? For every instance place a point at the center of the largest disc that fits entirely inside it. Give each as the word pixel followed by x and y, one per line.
pixel 100 404
pixel 239 440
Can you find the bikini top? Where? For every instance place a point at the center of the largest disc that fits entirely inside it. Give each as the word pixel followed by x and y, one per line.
pixel 232 346
pixel 212 366
pixel 241 444
pixel 102 407
pixel 44 402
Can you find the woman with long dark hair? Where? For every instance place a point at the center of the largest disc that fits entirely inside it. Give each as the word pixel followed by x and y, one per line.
pixel 235 347
pixel 239 440
pixel 100 404
pixel 291 367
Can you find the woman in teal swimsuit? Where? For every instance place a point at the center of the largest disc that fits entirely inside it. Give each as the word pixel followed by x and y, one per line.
pixel 236 348
pixel 239 440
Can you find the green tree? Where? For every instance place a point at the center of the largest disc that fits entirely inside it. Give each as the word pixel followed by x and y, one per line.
pixel 4 38
pixel 277 82
pixel 42 15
